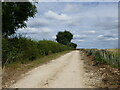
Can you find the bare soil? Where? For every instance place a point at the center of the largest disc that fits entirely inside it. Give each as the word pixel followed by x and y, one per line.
pixel 100 75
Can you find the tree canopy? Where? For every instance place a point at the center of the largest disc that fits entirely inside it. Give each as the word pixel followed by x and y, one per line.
pixel 15 15
pixel 65 38
pixel 72 45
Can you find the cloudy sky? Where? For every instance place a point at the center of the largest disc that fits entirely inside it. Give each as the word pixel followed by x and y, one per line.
pixel 93 24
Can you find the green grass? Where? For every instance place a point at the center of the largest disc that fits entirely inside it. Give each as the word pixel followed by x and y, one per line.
pixel 108 56
pixel 48 58
pixel 36 62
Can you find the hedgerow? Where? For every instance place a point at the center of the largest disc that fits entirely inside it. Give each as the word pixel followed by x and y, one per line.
pixel 23 50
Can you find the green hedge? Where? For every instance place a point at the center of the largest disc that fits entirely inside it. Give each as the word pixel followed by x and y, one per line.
pixel 23 49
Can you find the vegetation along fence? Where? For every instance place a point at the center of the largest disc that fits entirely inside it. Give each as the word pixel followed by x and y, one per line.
pixel 110 57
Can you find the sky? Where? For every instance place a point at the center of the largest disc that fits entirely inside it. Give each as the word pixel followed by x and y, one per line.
pixel 93 24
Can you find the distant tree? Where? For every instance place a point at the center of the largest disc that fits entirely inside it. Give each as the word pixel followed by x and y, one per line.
pixel 64 37
pixel 15 15
pixel 72 45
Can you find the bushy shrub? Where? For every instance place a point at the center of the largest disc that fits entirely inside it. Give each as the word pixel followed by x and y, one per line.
pixel 23 49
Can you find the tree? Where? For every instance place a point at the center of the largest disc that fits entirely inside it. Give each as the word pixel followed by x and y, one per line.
pixel 64 37
pixel 72 45
pixel 15 15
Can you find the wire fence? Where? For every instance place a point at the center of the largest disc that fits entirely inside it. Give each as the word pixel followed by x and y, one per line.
pixel 105 56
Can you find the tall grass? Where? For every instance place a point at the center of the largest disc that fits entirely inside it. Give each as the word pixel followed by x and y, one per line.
pixel 110 57
pixel 23 50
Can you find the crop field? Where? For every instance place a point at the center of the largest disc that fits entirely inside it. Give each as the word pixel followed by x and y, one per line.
pixel 109 56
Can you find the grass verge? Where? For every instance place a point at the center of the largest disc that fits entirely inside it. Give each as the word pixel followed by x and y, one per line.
pixel 13 72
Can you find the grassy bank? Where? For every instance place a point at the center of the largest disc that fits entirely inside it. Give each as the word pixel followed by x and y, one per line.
pixel 109 56
pixel 22 50
pixel 36 62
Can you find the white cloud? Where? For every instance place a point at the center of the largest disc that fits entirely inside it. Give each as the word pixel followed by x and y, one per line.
pixel 45 29
pixel 92 31
pixel 71 8
pixel 75 36
pixel 99 36
pixel 35 30
pixel 54 37
pixel 112 39
pixel 115 21
pixel 53 15
pixel 79 36
pixel 38 22
pixel 80 40
pixel 108 37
